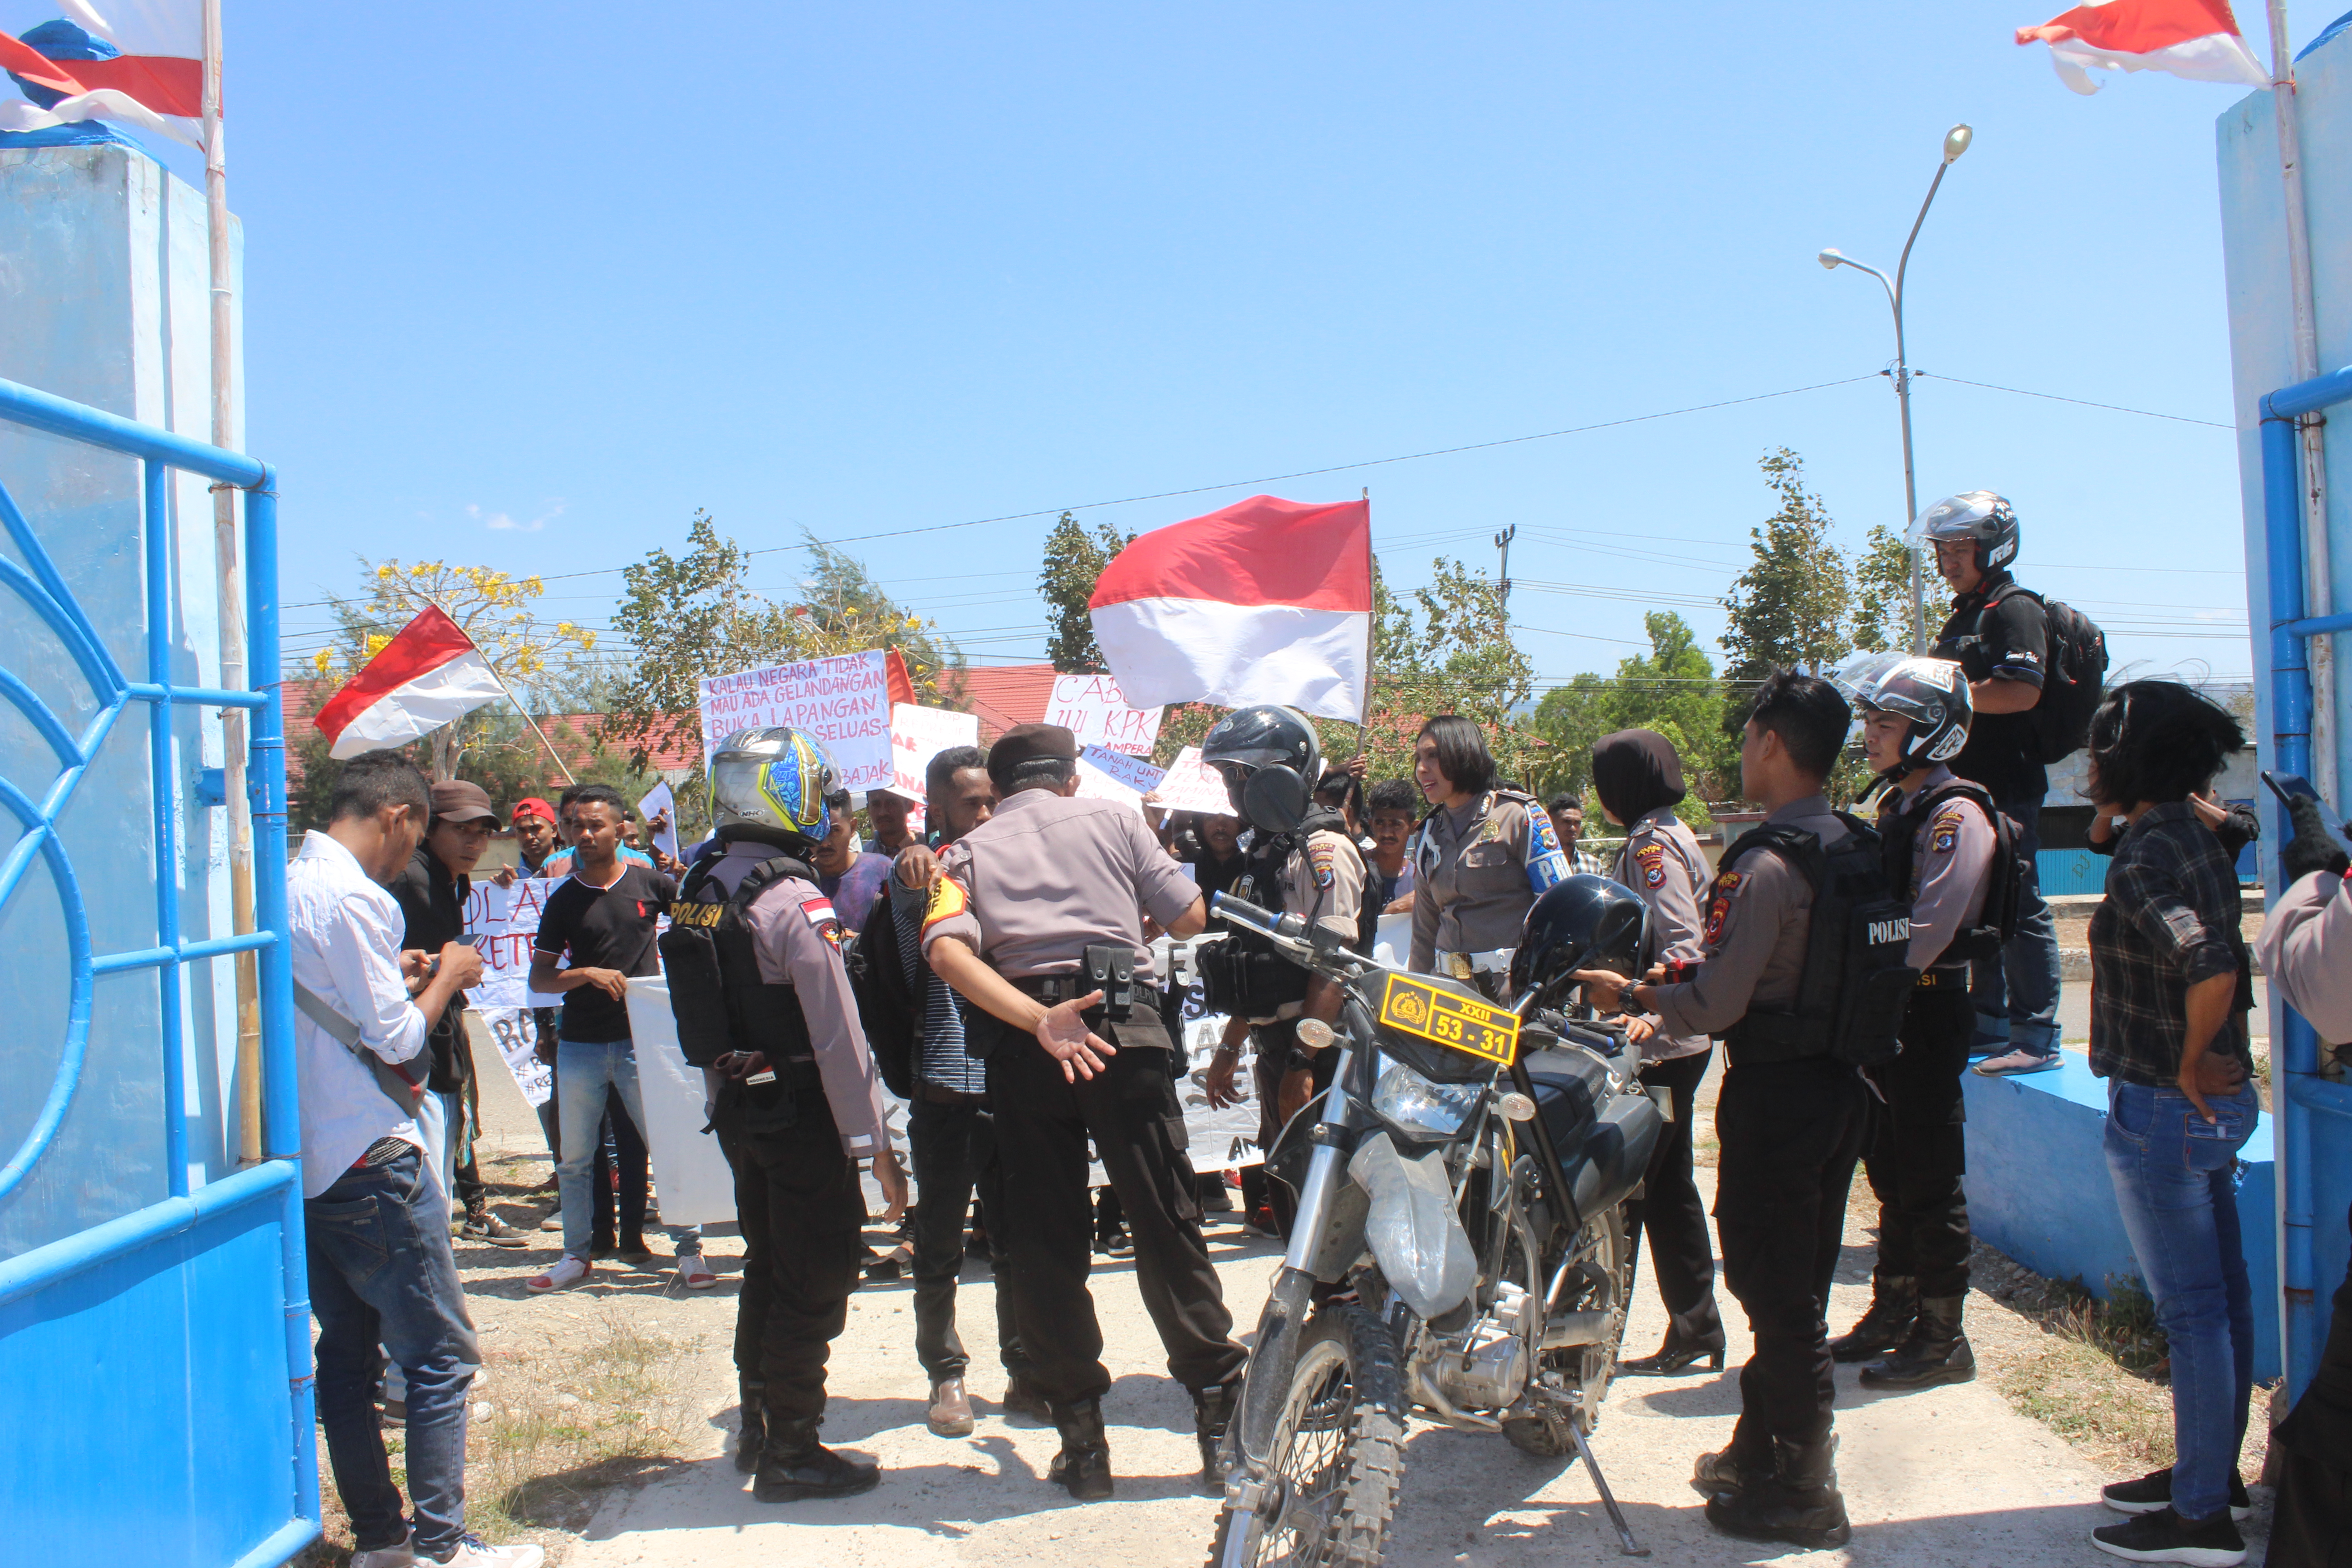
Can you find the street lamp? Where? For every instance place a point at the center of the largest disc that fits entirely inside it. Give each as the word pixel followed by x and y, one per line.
pixel 1955 142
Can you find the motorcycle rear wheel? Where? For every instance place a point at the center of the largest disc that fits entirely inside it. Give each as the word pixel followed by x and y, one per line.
pixel 1590 1368
pixel 1339 1457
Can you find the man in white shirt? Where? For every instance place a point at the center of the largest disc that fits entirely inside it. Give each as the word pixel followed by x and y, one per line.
pixel 376 1222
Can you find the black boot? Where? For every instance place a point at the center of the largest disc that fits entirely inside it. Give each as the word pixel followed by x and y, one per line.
pixel 796 1466
pixel 1937 1351
pixel 1083 1466
pixel 1894 1308
pixel 1745 1462
pixel 1213 1408
pixel 754 1434
pixel 1799 1503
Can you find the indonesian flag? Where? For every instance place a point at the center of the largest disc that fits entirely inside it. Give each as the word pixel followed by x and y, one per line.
pixel 1267 601
pixel 428 676
pixel 2194 38
pixel 153 80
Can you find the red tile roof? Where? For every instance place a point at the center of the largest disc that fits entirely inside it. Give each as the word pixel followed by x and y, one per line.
pixel 1004 696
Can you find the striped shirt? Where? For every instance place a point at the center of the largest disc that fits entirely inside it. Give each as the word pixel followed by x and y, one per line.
pixel 940 1057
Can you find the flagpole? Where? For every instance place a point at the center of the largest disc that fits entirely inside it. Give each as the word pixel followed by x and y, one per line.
pixel 1371 632
pixel 2319 592
pixel 227 574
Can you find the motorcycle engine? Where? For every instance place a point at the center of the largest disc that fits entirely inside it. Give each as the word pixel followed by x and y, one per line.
pixel 1486 1368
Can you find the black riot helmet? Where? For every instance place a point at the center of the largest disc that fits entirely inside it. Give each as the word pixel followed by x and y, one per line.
pixel 1583 922
pixel 1270 761
pixel 1981 515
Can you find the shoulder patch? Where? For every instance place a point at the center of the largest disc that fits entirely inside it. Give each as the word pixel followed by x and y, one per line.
pixel 1651 859
pixel 1321 858
pixel 1719 904
pixel 947 900
pixel 1944 832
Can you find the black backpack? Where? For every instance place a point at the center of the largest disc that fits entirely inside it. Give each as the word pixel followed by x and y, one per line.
pixel 2073 675
pixel 891 1014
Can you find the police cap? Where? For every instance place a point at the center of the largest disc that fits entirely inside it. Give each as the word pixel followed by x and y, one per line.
pixel 1025 744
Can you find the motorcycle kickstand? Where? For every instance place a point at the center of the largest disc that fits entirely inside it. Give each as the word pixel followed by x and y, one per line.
pixel 1629 1547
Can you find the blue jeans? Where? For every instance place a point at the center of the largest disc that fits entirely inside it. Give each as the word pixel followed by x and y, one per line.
pixel 2017 997
pixel 584 1070
pixel 381 1273
pixel 2176 1181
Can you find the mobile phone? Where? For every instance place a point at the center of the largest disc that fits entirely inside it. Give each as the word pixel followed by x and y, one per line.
pixel 2291 787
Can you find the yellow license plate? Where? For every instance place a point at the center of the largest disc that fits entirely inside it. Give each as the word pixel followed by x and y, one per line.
pixel 1412 1005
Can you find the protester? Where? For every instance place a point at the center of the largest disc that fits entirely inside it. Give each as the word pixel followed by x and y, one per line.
pixel 1486 852
pixel 1394 809
pixel 559 864
pixel 887 813
pixel 2307 950
pixel 538 840
pixel 1567 814
pixel 377 1223
pixel 2169 986
pixel 1220 861
pixel 847 873
pixel 1343 792
pixel 602 922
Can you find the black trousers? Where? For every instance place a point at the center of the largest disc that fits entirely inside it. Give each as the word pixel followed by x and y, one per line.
pixel 800 1209
pixel 954 1148
pixel 1917 1148
pixel 1673 1214
pixel 1790 1133
pixel 1131 1111
pixel 2313 1525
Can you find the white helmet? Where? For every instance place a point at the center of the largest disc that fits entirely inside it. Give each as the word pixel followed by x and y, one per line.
pixel 1931 692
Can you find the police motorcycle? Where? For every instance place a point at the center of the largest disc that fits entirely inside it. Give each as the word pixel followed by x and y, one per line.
pixel 1460 1251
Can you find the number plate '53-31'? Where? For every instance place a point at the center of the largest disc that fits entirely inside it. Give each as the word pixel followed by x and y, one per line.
pixel 1411 1005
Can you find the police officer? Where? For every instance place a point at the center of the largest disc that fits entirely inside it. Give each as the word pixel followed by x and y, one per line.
pixel 1302 862
pixel 1483 855
pixel 1042 919
pixel 763 1002
pixel 1789 1121
pixel 1940 834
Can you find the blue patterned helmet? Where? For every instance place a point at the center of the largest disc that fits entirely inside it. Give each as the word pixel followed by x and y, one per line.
pixel 770 785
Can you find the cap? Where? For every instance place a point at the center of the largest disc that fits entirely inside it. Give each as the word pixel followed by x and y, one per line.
pixel 531 806
pixel 1029 743
pixel 459 801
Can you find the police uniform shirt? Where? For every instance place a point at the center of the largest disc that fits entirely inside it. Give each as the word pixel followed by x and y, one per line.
pixel 798 939
pixel 1323 883
pixel 1951 850
pixel 2001 752
pixel 1477 869
pixel 2306 948
pixel 1661 860
pixel 1049 875
pixel 1753 933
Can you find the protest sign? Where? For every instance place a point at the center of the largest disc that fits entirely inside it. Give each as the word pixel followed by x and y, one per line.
pixel 689 1169
pixel 659 803
pixel 1091 708
pixel 1133 772
pixel 1191 786
pixel 503 923
pixel 843 702
pixel 916 735
pixel 1096 782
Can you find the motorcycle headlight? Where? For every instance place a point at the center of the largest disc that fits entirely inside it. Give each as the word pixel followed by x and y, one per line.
pixel 1413 1104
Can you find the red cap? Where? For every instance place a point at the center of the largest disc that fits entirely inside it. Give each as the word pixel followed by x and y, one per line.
pixel 531 806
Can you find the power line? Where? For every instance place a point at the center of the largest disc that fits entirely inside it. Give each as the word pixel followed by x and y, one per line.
pixel 2081 402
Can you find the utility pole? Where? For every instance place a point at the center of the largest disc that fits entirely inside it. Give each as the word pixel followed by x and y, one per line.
pixel 1502 577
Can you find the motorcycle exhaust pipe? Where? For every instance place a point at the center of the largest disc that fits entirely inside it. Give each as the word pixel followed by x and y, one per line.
pixel 1575 1329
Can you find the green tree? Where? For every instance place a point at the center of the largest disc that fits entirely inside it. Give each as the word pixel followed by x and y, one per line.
pixel 1791 607
pixel 1882 587
pixel 1672 690
pixel 1074 559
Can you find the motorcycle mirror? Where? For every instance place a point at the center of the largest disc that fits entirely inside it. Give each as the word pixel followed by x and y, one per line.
pixel 1515 1107
pixel 1314 1033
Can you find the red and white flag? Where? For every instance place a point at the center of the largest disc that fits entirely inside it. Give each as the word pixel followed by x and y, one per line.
pixel 1267 601
pixel 154 80
pixel 428 676
pixel 2198 39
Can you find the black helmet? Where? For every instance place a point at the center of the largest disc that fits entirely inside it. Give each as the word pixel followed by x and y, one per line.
pixel 1930 692
pixel 1584 923
pixel 1980 515
pixel 1270 761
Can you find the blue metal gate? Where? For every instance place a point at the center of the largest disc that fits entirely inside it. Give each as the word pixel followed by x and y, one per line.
pixel 155 1360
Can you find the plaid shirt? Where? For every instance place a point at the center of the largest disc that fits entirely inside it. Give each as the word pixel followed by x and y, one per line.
pixel 2170 920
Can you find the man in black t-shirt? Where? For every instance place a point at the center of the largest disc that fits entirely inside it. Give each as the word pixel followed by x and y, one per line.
pixel 600 924
pixel 1997 635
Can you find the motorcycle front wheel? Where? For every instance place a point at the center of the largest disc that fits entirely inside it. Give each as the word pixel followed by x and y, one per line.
pixel 1338 1454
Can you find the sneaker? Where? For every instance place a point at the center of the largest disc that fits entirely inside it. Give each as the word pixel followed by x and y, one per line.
pixel 400 1554
pixel 567 1272
pixel 488 1228
pixel 2154 1490
pixel 2164 1536
pixel 552 1222
pixel 472 1553
pixel 694 1271
pixel 2015 1064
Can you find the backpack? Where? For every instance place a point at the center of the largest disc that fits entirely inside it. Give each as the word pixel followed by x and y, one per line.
pixel 1857 983
pixel 2073 677
pixel 2004 898
pixel 890 1013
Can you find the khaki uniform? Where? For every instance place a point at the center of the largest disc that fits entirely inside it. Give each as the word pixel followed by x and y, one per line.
pixel 1322 882
pixel 1477 869
pixel 1661 860
pixel 1030 891
pixel 1951 850
pixel 2306 948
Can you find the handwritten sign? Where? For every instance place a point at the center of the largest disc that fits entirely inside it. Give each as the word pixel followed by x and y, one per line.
pixel 1133 773
pixel 844 702
pixel 916 735
pixel 1192 786
pixel 659 802
pixel 503 924
pixel 1092 708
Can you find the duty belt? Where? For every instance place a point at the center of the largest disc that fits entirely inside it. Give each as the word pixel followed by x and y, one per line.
pixel 1463 965
pixel 1944 977
pixel 1052 989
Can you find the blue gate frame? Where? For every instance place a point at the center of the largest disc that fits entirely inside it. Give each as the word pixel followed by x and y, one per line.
pixel 204 1295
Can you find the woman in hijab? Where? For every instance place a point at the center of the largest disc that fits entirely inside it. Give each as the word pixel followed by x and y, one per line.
pixel 1638 780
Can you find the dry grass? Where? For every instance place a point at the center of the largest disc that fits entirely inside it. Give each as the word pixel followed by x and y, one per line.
pixel 550 1430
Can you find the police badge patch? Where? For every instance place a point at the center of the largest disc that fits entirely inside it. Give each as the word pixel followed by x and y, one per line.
pixel 818 911
pixel 1652 859
pixel 1718 906
pixel 1946 831
pixel 1320 859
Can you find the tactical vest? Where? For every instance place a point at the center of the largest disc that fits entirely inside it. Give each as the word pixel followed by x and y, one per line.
pixel 1244 977
pixel 1855 983
pixel 1997 921
pixel 720 1000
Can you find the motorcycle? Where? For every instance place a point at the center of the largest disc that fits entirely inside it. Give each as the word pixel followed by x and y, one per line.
pixel 1459 1252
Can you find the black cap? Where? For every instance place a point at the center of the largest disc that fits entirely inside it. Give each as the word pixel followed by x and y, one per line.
pixel 1030 743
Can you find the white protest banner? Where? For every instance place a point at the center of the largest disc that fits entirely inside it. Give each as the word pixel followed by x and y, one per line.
pixel 502 923
pixel 1097 782
pixel 1191 786
pixel 660 803
pixel 689 1169
pixel 1091 708
pixel 842 701
pixel 916 735
pixel 1133 772
pixel 516 1034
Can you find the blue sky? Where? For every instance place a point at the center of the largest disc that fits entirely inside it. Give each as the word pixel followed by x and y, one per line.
pixel 527 286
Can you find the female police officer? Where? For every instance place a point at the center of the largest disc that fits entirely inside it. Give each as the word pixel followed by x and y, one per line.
pixel 1483 855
